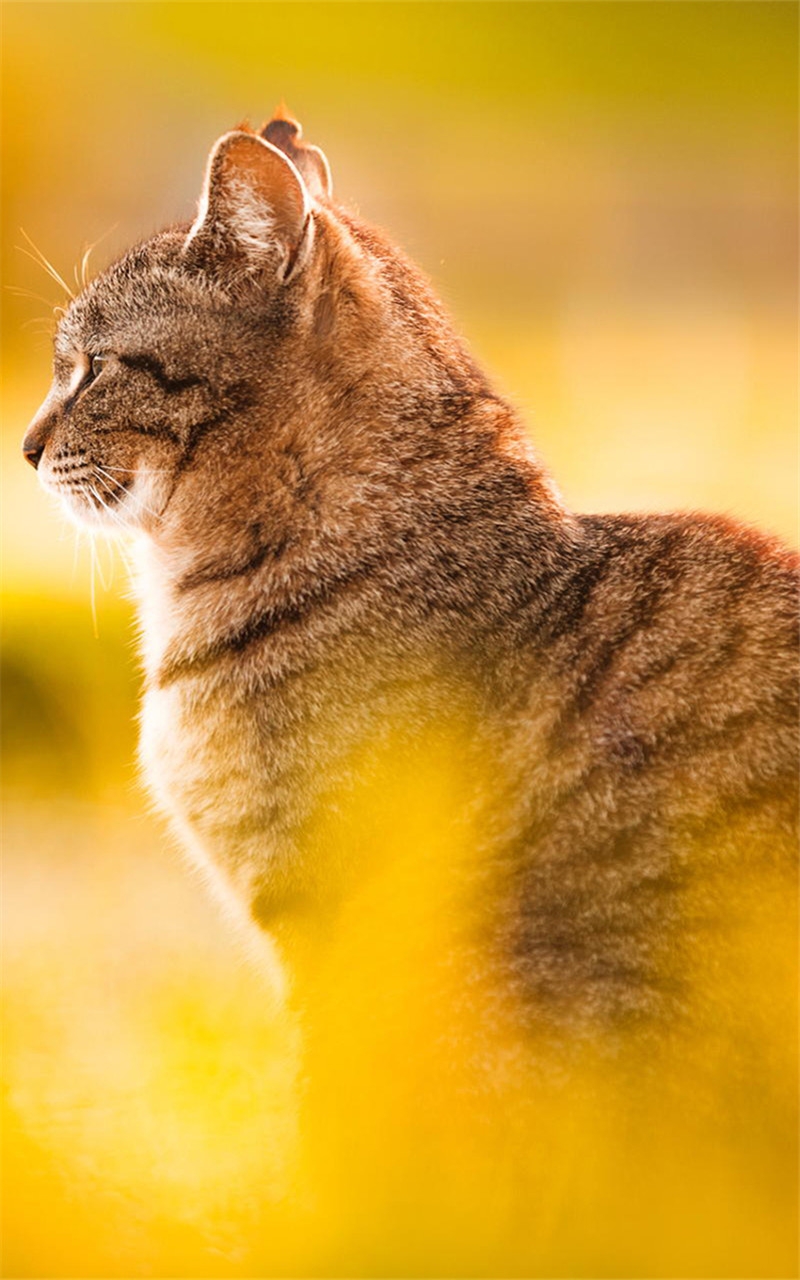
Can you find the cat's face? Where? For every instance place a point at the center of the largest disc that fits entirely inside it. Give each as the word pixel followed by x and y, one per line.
pixel 156 351
pixel 135 359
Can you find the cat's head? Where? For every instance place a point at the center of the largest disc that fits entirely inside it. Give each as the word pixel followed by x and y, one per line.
pixel 198 345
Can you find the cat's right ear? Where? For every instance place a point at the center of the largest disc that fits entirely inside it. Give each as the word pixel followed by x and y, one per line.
pixel 254 213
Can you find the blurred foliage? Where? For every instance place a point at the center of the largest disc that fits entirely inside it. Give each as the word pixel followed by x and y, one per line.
pixel 605 195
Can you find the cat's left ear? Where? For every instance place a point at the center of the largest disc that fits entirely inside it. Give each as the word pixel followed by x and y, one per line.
pixel 255 210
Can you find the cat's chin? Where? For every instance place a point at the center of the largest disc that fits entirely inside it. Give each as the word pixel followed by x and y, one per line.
pixel 96 521
pixel 99 516
pixel 90 503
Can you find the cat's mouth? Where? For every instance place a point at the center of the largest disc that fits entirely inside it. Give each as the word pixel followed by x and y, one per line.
pixel 94 495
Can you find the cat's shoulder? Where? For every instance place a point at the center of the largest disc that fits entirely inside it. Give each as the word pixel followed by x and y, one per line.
pixel 713 552
pixel 637 590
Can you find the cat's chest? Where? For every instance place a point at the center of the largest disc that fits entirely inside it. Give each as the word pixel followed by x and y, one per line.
pixel 206 762
pixel 209 754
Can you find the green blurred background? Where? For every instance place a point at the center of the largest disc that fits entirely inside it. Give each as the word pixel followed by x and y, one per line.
pixel 605 196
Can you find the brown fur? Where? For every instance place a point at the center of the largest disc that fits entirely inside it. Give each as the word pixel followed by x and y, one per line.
pixel 349 537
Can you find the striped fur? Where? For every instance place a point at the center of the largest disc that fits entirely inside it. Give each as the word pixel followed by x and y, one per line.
pixel 347 540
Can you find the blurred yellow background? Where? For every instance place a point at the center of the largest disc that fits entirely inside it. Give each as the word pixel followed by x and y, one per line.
pixel 605 196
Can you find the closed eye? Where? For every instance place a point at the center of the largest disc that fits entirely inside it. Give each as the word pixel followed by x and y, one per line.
pixel 154 368
pixel 79 376
pixel 89 370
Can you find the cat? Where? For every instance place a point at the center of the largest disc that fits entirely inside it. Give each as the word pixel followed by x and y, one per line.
pixel 380 651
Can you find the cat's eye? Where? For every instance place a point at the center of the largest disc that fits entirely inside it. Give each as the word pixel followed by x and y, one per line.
pixel 97 365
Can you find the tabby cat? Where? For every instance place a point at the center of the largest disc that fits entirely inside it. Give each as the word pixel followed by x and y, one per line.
pixel 373 635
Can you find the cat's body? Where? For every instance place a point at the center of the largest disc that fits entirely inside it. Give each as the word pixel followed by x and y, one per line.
pixel 630 696
pixel 351 550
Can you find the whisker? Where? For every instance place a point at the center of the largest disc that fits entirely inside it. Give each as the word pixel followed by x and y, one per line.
pixel 120 539
pixel 145 507
pixel 106 471
pixel 37 297
pixel 84 280
pixel 42 320
pixel 109 510
pixel 37 325
pixel 113 541
pixel 120 547
pixel 45 263
pixel 100 473
pixel 77 531
pixel 151 471
pixel 92 591
pixel 116 538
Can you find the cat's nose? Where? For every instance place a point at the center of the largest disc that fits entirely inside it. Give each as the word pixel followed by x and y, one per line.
pixel 38 433
pixel 33 453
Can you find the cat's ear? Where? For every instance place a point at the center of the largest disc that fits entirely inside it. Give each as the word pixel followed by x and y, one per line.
pixel 255 211
pixel 286 133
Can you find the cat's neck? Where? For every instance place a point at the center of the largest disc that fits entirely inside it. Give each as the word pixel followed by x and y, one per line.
pixel 422 552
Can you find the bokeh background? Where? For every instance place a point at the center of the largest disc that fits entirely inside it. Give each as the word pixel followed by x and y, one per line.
pixel 605 196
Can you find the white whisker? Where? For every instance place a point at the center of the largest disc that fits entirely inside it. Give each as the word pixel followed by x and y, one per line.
pixel 115 541
pixel 95 552
pixel 118 542
pixel 44 262
pixel 119 539
pixel 149 471
pixel 92 591
pixel 102 471
pixel 76 552
pixel 129 567
pixel 124 528
pixel 87 253
pixel 45 321
pixel 108 510
pixel 35 297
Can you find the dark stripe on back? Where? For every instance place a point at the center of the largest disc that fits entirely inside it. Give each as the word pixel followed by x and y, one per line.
pixel 567 607
pixel 653 585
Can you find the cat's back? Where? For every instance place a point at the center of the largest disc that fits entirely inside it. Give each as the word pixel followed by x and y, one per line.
pixel 660 640
pixel 660 732
pixel 679 637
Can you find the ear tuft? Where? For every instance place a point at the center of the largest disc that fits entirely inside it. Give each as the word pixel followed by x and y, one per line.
pixel 284 132
pixel 254 209
pixel 282 112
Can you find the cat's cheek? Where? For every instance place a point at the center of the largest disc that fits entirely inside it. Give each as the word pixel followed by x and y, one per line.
pixel 147 498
